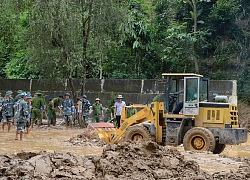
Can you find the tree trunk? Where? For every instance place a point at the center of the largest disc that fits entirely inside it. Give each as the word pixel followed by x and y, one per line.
pixel 196 63
pixel 72 87
pixel 86 23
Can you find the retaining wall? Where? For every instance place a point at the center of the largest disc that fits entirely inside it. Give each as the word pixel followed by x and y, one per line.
pixel 134 90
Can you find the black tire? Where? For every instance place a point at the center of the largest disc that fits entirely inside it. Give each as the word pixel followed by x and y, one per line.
pixel 137 133
pixel 199 139
pixel 219 148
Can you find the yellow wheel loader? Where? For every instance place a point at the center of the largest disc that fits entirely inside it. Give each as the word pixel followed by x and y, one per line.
pixel 185 117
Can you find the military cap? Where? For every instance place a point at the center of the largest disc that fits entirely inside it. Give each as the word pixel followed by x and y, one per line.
pixel 67 94
pixel 23 94
pixel 39 92
pixel 97 99
pixel 29 96
pixel 84 96
pixel 19 91
pixel 8 93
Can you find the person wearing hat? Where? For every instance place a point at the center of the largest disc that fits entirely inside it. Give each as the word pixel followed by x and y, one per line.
pixel 118 109
pixel 67 107
pixel 130 110
pixel 85 110
pixel 97 111
pixel 28 122
pixel 7 110
pixel 18 97
pixel 22 115
pixel 37 102
pixel 52 105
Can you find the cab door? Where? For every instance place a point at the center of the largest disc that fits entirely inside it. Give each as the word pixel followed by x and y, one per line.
pixel 191 95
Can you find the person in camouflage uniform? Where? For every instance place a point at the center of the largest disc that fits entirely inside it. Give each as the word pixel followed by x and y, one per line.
pixel 18 96
pixel 22 115
pixel 85 110
pixel 97 111
pixel 7 110
pixel 28 122
pixel 67 107
pixel 52 105
pixel 37 103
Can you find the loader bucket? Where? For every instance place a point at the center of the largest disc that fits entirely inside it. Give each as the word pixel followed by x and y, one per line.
pixel 103 130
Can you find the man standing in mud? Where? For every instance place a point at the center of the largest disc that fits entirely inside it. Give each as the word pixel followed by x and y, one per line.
pixel 18 96
pixel 28 122
pixel 22 115
pixel 37 103
pixel 7 110
pixel 67 107
pixel 53 104
pixel 97 111
pixel 85 110
pixel 118 109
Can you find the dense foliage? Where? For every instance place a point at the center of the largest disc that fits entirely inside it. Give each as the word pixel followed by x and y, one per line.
pixel 125 39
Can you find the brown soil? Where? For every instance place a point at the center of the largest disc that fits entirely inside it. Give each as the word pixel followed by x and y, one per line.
pixel 124 161
pixel 83 140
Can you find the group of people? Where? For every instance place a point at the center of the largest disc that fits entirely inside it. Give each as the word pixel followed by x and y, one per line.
pixel 84 108
pixel 18 109
pixel 27 110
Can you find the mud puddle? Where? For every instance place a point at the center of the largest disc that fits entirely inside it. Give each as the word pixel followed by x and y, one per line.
pixel 50 139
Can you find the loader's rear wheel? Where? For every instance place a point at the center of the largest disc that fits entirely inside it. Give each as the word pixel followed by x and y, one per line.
pixel 199 139
pixel 137 133
pixel 219 148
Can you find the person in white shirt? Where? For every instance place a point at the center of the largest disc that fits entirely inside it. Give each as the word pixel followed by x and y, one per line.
pixel 118 109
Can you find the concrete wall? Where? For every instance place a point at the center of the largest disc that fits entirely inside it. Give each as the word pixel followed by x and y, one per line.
pixel 137 91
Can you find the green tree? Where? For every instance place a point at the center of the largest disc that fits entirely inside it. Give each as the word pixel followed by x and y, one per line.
pixel 12 51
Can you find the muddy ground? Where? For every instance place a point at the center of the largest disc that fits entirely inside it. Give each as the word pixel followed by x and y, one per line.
pixel 57 153
pixel 124 161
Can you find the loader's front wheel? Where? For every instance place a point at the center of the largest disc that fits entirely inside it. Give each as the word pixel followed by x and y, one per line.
pixel 137 133
pixel 199 139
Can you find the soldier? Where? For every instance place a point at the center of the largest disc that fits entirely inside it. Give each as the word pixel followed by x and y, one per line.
pixel 7 109
pixel 53 104
pixel 67 106
pixel 28 122
pixel 18 96
pixel 97 110
pixel 22 115
pixel 37 102
pixel 85 110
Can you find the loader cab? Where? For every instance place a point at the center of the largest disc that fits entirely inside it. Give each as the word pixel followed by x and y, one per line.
pixel 183 92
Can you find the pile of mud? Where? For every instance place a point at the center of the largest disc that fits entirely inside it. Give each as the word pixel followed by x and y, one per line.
pixel 145 161
pixel 83 140
pixel 242 173
pixel 124 161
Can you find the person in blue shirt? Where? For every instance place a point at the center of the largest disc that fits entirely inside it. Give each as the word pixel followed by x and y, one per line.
pixel 7 110
pixel 67 109
pixel 22 115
